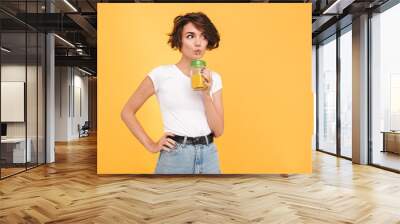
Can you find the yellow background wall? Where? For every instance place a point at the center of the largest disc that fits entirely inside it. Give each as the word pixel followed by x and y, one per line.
pixel 264 60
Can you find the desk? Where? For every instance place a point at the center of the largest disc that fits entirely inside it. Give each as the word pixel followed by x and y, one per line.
pixel 391 141
pixel 16 148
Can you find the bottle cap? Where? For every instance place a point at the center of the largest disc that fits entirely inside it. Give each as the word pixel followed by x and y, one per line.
pixel 198 63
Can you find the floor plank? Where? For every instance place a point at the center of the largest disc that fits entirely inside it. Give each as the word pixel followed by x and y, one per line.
pixel 70 191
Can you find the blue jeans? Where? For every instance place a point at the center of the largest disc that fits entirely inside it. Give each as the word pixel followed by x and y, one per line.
pixel 189 159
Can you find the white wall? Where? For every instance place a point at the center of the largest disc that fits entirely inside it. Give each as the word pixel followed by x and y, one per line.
pixel 13 73
pixel 62 78
pixel 81 84
pixel 71 93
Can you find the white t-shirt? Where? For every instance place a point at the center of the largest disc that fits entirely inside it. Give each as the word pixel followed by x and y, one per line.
pixel 182 108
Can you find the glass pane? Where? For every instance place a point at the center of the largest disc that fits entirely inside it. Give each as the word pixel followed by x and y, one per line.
pixel 314 75
pixel 31 84
pixel 23 88
pixel 41 98
pixel 346 93
pixel 13 86
pixel 327 96
pixel 386 89
pixel 32 89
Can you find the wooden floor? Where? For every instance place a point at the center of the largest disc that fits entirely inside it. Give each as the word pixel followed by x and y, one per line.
pixel 387 159
pixel 5 172
pixel 8 171
pixel 70 191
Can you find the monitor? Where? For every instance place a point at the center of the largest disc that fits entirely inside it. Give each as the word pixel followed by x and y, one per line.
pixel 3 129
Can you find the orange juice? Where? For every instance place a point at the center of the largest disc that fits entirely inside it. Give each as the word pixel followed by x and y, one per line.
pixel 197 81
pixel 196 76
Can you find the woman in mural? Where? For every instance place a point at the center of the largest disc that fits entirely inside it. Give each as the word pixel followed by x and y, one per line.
pixel 191 118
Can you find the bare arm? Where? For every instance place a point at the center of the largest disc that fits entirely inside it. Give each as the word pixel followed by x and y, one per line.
pixel 215 112
pixel 128 115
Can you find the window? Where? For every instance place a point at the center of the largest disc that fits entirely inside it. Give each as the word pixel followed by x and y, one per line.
pixel 327 95
pixel 385 88
pixel 346 93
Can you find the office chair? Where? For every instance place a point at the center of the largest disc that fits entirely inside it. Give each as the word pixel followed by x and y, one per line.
pixel 84 130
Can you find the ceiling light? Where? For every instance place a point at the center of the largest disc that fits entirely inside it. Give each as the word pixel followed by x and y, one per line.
pixel 5 50
pixel 338 6
pixel 70 5
pixel 64 40
pixel 84 71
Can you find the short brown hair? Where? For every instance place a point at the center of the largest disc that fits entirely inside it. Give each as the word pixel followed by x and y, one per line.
pixel 201 22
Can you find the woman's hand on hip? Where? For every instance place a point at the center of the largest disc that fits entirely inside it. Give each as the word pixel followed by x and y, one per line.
pixel 164 143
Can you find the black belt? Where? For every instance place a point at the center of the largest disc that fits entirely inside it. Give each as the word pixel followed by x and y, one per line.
pixel 194 140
